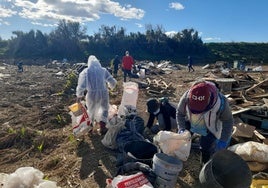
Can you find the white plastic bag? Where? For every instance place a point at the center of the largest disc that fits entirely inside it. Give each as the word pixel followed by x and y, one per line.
pixel 251 151
pixel 24 176
pixel 81 124
pixel 27 177
pixel 174 144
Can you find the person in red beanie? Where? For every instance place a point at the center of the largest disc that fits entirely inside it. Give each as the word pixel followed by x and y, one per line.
pixel 204 110
pixel 127 64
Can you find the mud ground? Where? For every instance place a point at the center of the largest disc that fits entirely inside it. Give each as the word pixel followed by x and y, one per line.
pixel 36 127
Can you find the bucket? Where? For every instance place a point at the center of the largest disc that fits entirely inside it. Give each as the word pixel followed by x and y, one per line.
pixel 142 73
pixel 76 109
pixel 225 169
pixel 130 96
pixel 167 169
pixel 139 151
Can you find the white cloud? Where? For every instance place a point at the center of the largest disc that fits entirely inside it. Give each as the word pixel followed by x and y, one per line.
pixel 74 10
pixel 176 6
pixel 5 13
pixel 171 33
pixel 139 25
pixel 212 39
pixel 44 24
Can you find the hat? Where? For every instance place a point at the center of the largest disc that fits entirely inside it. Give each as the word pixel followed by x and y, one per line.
pixel 202 97
pixel 152 105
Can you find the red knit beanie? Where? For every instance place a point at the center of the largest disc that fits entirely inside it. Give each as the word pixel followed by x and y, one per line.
pixel 202 97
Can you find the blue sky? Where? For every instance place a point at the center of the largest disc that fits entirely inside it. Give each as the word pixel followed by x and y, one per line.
pixel 215 20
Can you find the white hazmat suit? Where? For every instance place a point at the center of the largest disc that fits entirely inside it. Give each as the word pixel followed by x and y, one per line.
pixel 95 79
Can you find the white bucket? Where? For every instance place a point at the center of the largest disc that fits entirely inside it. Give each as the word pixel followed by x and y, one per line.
pixel 167 169
pixel 130 96
pixel 142 73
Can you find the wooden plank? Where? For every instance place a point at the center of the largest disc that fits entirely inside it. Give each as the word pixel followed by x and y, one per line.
pixel 255 86
pixel 259 96
pixel 240 111
pixel 259 135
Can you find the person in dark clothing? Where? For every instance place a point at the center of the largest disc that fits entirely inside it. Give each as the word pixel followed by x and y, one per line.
pixel 115 64
pixel 190 64
pixel 20 66
pixel 164 112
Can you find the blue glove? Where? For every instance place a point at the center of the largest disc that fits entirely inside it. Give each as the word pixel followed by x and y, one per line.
pixel 221 145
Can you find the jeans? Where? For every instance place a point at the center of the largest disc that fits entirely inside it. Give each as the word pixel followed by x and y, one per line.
pixel 127 73
pixel 208 145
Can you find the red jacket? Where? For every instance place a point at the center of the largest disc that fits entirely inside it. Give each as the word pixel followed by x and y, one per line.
pixel 127 62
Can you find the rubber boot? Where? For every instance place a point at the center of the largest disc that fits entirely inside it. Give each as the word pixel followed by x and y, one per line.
pixel 103 128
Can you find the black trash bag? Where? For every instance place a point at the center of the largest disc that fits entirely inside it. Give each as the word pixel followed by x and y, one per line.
pixel 133 132
pixel 137 121
pixel 134 127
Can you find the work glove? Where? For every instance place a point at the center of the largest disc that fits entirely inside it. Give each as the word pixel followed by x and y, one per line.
pixel 221 145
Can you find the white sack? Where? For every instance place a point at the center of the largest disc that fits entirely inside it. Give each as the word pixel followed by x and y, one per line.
pixel 25 177
pixel 174 144
pixel 251 151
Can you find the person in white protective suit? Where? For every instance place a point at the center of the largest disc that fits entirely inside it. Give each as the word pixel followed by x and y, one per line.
pixel 95 80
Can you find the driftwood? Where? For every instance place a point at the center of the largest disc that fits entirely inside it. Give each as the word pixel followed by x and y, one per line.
pixel 256 88
pixel 158 87
pixel 259 96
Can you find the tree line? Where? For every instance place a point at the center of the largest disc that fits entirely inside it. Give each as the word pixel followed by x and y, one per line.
pixel 70 41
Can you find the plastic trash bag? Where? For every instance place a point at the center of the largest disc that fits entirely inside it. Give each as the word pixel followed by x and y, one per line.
pixel 81 124
pixel 174 144
pixel 251 151
pixel 27 177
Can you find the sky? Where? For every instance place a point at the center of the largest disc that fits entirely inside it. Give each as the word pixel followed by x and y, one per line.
pixel 214 20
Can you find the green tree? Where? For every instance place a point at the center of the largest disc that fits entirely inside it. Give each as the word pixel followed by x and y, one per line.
pixel 65 40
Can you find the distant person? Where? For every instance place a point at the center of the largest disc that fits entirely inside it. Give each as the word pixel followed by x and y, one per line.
pixel 127 65
pixel 165 113
pixel 20 66
pixel 95 80
pixel 190 64
pixel 115 64
pixel 205 111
